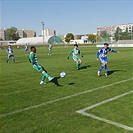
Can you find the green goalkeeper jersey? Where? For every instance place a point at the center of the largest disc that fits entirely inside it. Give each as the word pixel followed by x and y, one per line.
pixel 33 59
pixel 75 53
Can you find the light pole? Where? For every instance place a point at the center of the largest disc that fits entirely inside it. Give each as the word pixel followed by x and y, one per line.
pixel 43 30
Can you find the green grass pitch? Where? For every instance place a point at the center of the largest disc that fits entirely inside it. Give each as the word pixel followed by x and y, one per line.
pixel 28 107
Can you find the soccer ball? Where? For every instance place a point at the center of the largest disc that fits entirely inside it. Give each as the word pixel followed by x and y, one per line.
pixel 62 74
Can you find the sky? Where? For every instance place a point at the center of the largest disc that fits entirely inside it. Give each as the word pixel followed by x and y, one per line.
pixel 78 17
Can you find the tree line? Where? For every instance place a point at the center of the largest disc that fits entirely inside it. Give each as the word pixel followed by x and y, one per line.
pixel 104 36
pixel 12 34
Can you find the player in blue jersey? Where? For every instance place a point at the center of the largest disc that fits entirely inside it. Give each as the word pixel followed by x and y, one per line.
pixel 26 49
pixel 102 56
pixel 10 54
pixel 75 53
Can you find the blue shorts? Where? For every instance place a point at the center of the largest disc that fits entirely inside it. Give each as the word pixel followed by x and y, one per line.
pixel 10 55
pixel 103 60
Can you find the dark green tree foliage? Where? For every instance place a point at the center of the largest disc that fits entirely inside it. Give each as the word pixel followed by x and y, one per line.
pixel 105 36
pixel 69 37
pixel 118 33
pixel 125 35
pixel 92 38
pixel 11 34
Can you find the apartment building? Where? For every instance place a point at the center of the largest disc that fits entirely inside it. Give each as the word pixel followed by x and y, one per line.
pixel 111 29
pixel 22 33
pixel 2 35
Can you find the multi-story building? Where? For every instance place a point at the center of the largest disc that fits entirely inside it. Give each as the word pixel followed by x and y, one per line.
pixel 26 33
pixel 111 29
pixel 22 33
pixel 129 27
pixel 2 35
pixel 49 32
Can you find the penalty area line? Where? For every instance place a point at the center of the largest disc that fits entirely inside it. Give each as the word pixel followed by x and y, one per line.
pixel 60 99
pixel 82 112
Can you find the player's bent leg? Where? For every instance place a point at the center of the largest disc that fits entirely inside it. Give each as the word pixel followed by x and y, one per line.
pixel 44 73
pixel 13 59
pixel 7 60
pixel 77 65
pixel 100 69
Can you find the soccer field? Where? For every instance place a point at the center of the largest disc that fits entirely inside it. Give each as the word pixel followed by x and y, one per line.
pixel 81 102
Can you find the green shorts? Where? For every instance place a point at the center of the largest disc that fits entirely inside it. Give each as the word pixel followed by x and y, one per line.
pixel 38 67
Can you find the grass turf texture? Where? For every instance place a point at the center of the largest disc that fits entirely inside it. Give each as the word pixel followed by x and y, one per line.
pixel 20 89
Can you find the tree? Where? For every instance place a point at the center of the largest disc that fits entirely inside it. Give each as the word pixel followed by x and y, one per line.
pixel 98 38
pixel 69 37
pixel 125 35
pixel 105 36
pixel 11 34
pixel 92 38
pixel 118 33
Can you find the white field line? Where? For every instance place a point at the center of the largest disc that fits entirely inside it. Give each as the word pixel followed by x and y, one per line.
pixel 22 91
pixel 60 99
pixel 82 111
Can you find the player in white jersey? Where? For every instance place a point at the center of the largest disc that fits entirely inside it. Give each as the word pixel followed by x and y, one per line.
pixel 10 54
pixel 102 56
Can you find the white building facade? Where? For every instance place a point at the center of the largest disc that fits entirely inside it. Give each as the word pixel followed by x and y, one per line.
pixel 112 29
pixel 48 32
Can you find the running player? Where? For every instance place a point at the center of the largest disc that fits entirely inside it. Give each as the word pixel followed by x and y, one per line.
pixel 26 49
pixel 50 48
pixel 102 56
pixel 75 53
pixel 33 59
pixel 10 54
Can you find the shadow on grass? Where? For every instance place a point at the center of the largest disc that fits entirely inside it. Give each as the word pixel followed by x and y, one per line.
pixel 71 83
pixel 85 67
pixel 113 71
pixel 17 62
pixel 55 81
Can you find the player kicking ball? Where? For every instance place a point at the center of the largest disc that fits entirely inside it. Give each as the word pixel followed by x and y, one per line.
pixel 33 59
pixel 102 56
pixel 75 53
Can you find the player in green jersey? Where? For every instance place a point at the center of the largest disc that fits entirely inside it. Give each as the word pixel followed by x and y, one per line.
pixel 33 59
pixel 75 53
pixel 50 48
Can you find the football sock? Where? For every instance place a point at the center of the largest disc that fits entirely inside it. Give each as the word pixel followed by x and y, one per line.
pixel 80 63
pixel 13 60
pixel 43 77
pixel 101 67
pixel 7 60
pixel 45 74
pixel 106 69
pixel 77 65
